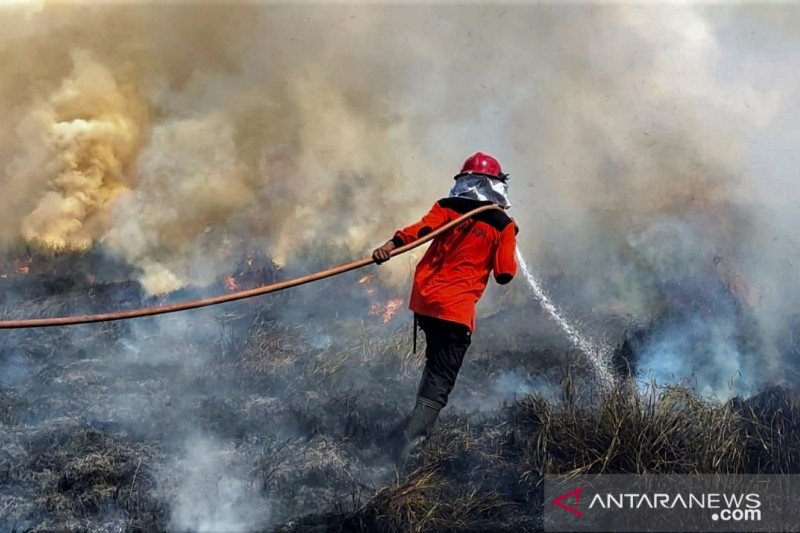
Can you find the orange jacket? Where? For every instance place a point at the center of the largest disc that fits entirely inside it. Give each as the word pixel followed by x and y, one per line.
pixel 452 275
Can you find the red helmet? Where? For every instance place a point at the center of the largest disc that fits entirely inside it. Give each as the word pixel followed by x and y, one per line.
pixel 480 163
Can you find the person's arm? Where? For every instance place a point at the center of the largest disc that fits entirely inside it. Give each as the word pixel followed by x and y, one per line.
pixel 505 262
pixel 436 217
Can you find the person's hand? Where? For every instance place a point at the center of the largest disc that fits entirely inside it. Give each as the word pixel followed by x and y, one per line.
pixel 381 254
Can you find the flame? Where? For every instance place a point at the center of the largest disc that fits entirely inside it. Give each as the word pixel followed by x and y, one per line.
pixel 367 280
pixel 231 284
pixel 386 310
pixel 22 266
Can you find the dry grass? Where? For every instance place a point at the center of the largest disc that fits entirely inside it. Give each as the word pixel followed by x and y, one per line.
pixel 468 475
pixel 424 501
pixel 668 430
pixel 658 431
pixel 310 411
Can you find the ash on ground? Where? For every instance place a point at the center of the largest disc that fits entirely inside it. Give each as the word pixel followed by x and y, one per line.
pixel 278 414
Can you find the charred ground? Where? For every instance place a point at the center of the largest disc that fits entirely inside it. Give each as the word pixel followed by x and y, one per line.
pixel 277 413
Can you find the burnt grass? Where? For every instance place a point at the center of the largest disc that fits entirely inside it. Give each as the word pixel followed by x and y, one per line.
pixel 278 413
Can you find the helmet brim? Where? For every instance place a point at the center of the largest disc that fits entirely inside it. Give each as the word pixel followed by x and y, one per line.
pixel 501 177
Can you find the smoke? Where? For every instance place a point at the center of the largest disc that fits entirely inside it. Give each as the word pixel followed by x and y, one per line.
pixel 652 153
pixel 211 494
pixel 648 157
pixel 164 154
pixel 91 130
pixel 648 205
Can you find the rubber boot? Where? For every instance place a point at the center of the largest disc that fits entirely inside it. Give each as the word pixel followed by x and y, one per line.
pixel 419 427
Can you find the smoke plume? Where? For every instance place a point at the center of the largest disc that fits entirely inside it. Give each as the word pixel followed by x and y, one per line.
pixel 652 152
pixel 211 494
pixel 90 129
pixel 646 151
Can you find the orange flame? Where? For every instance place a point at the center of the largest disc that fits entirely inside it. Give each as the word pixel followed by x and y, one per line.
pixel 386 310
pixel 22 266
pixel 231 284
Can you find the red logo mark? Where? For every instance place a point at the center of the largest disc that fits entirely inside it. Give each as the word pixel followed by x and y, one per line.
pixel 575 493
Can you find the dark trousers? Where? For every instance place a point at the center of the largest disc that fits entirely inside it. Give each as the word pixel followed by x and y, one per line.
pixel 447 342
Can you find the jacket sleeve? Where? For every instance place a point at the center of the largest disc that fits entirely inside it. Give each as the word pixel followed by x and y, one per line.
pixel 505 262
pixel 436 217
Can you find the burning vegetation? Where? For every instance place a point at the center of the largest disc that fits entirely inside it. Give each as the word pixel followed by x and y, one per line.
pixel 141 166
pixel 246 418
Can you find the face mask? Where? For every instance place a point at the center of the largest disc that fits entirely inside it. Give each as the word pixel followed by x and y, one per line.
pixel 483 188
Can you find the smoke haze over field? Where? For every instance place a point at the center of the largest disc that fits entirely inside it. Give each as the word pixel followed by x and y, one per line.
pixel 653 153
pixel 651 148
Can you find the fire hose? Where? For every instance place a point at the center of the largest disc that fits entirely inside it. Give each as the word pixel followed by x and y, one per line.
pixel 233 296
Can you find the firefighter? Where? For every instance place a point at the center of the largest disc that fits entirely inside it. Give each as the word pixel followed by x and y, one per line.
pixel 450 279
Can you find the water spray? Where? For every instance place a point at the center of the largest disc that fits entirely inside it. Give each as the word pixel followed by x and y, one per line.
pixel 597 354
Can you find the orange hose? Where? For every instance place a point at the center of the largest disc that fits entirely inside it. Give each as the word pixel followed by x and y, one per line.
pixel 231 297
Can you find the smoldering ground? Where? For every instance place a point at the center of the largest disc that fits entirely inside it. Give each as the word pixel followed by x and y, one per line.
pixel 650 148
pixel 235 419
